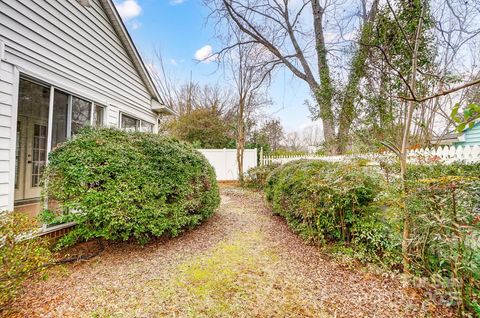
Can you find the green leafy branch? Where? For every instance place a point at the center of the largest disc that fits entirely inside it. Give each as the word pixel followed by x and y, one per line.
pixel 468 118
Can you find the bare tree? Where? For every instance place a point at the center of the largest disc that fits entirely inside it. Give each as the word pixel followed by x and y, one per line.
pixel 273 133
pixel 278 27
pixel 244 65
pixel 293 141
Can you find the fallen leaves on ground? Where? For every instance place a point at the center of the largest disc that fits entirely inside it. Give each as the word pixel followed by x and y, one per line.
pixel 243 262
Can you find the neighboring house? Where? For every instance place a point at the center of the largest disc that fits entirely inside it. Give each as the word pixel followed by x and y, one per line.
pixel 468 137
pixel 446 140
pixel 64 64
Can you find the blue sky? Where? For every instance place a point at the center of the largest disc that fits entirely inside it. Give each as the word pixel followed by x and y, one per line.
pixel 178 28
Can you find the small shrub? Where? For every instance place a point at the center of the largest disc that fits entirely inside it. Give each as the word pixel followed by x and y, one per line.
pixel 333 202
pixel 119 186
pixel 19 258
pixel 444 206
pixel 445 234
pixel 256 177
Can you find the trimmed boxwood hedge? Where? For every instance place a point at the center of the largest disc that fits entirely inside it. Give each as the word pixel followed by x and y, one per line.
pixel 121 185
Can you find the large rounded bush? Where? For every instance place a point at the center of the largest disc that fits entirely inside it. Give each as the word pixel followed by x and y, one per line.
pixel 118 185
pixel 332 202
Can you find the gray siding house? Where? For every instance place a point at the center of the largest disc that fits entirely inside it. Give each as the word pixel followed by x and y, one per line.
pixel 64 64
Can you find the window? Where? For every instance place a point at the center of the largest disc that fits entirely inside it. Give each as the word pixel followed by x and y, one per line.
pixel 39 153
pixel 60 118
pixel 98 115
pixel 71 114
pixel 146 127
pixel 130 123
pixel 81 110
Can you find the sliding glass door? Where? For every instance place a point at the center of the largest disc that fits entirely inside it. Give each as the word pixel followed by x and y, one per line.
pixel 32 132
pixel 38 118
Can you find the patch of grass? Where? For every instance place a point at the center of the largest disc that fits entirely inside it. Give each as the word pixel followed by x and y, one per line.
pixel 240 277
pixel 236 279
pixel 217 282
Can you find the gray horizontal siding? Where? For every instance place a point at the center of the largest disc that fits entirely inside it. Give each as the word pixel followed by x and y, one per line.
pixel 75 45
pixel 6 104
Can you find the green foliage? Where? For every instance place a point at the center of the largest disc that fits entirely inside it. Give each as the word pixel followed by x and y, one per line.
pixel 339 203
pixel 468 117
pixel 393 38
pixel 392 30
pixel 119 186
pixel 256 177
pixel 332 202
pixel 19 257
pixel 204 128
pixel 444 203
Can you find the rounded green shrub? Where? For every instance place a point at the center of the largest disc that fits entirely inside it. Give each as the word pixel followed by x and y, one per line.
pixel 256 177
pixel 333 202
pixel 118 185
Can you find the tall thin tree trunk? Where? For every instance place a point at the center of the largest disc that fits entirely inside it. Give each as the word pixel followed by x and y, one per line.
pixel 404 150
pixel 240 139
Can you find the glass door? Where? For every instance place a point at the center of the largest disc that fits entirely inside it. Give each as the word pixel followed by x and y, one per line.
pixel 68 115
pixel 32 132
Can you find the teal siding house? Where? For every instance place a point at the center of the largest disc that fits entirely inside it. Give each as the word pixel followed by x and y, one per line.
pixel 470 136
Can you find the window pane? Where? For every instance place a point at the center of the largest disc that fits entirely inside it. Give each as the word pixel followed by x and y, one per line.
pixel 39 153
pixel 60 110
pixel 129 123
pixel 98 115
pixel 33 100
pixel 17 153
pixel 80 114
pixel 146 127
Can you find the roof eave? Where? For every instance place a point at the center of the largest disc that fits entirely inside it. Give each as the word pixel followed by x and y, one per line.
pixel 132 51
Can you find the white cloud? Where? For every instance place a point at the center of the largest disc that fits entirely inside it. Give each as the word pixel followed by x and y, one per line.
pixel 205 54
pixel 175 2
pixel 173 62
pixel 135 25
pixel 128 9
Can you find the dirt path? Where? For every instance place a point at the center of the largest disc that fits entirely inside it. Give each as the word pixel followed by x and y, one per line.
pixel 243 262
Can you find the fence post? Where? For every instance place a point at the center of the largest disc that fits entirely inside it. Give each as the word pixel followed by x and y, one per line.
pixel 261 156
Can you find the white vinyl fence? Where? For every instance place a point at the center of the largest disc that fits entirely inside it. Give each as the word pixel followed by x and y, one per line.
pixel 445 154
pixel 225 162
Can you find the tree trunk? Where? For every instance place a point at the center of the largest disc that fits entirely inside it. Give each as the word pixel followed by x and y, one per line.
pixel 347 111
pixel 323 92
pixel 240 139
pixel 404 150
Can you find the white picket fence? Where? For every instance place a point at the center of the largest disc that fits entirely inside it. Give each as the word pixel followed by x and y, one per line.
pixel 445 154
pixel 224 161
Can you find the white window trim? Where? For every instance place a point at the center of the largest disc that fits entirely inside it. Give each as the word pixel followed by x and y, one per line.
pixel 139 125
pixel 69 116
pixel 92 110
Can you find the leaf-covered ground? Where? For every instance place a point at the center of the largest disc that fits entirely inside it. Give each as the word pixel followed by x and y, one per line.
pixel 243 262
